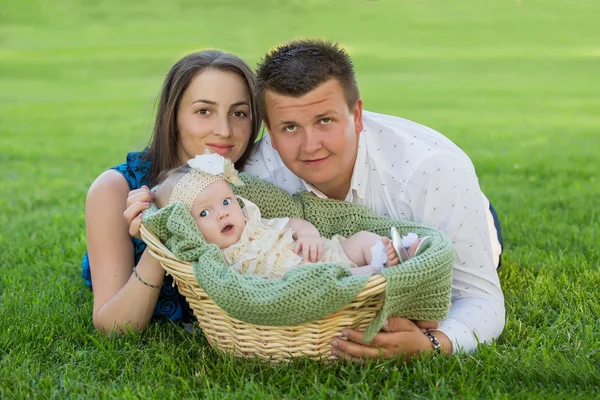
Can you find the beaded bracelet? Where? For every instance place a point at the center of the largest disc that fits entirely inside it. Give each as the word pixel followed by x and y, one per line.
pixel 144 282
pixel 437 347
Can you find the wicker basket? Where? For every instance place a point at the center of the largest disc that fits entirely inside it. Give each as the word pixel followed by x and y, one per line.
pixel 278 343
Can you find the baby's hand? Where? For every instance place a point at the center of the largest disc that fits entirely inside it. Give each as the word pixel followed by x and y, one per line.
pixel 137 201
pixel 311 247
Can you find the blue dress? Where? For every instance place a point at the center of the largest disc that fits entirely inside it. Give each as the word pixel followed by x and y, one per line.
pixel 171 305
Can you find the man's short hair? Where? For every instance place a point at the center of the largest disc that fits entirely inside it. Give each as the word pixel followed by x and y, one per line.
pixel 297 67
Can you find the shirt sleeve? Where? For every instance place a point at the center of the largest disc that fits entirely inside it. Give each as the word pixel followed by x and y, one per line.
pixel 444 192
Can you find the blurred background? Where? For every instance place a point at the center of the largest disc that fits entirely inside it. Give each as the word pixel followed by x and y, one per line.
pixel 513 82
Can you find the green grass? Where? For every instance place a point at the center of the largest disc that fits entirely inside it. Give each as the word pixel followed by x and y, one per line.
pixel 514 83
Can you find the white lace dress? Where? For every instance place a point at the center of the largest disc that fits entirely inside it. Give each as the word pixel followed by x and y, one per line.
pixel 266 247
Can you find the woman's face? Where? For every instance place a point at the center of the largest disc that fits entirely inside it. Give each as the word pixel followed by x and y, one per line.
pixel 214 114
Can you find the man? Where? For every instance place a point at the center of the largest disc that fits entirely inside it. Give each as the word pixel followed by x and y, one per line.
pixel 321 140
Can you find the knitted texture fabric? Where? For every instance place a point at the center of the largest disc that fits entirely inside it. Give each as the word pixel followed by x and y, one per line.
pixel 419 288
pixel 188 187
pixel 204 170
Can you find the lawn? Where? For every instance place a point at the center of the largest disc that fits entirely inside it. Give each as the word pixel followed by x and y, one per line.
pixel 514 83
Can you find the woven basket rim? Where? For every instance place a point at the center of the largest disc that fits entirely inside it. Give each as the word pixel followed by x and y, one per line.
pixel 375 284
pixel 273 343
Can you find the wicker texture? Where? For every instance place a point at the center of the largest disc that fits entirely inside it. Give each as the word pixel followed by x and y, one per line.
pixel 277 343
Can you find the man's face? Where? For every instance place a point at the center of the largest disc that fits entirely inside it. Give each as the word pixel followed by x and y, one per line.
pixel 316 135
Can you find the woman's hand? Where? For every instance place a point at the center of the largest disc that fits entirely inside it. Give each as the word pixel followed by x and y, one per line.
pixel 137 201
pixel 399 337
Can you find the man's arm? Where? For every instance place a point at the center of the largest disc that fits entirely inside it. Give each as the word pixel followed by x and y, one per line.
pixel 444 192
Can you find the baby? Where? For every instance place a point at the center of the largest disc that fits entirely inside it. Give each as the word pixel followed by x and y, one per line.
pixel 264 247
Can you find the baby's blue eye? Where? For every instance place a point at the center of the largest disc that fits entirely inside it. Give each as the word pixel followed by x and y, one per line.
pixel 204 213
pixel 226 202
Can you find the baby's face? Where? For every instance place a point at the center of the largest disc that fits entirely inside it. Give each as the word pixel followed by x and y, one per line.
pixel 218 215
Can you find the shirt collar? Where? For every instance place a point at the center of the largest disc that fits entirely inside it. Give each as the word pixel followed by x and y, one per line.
pixel 360 174
pixel 313 189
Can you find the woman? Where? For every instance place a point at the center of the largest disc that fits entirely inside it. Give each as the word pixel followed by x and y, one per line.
pixel 206 102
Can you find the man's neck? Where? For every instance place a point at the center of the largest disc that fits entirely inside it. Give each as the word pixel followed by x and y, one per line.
pixel 339 189
pixel 338 192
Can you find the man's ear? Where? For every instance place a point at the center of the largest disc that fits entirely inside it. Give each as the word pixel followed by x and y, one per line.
pixel 271 136
pixel 357 115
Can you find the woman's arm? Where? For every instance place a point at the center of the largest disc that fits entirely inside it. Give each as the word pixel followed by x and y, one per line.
pixel 120 299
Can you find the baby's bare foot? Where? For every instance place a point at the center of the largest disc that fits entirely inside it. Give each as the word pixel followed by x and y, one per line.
pixel 392 258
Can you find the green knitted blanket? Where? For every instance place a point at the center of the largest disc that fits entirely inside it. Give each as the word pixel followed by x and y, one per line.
pixel 417 289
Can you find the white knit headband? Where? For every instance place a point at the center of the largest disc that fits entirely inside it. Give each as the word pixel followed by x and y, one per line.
pixel 206 169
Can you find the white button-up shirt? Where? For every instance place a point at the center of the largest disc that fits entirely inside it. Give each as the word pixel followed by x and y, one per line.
pixel 408 171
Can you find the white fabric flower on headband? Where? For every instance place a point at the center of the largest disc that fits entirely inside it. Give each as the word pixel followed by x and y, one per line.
pixel 215 164
pixel 209 163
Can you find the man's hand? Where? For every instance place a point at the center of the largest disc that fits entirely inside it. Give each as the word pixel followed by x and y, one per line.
pixel 399 337
pixel 311 246
pixel 137 201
